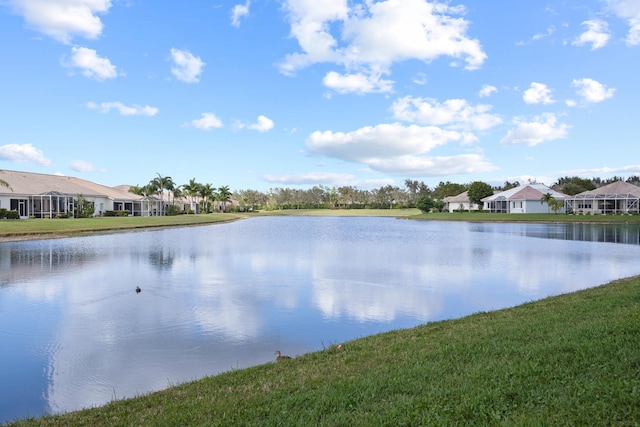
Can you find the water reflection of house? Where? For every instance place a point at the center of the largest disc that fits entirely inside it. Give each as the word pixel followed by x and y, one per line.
pixel 615 198
pixel 522 199
pixel 45 196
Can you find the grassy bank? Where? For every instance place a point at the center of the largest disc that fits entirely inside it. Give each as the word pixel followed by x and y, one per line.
pixel 51 228
pixel 573 359
pixel 541 217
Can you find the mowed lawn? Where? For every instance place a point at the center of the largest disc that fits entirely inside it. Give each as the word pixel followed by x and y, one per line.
pixel 569 360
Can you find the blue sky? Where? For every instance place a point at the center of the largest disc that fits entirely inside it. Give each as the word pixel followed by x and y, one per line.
pixel 260 94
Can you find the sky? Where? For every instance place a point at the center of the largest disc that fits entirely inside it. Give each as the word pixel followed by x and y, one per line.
pixel 259 94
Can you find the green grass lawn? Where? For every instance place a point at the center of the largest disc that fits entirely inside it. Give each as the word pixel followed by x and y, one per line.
pixel 573 359
pixel 44 228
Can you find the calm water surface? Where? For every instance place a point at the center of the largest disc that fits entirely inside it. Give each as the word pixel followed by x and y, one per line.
pixel 74 333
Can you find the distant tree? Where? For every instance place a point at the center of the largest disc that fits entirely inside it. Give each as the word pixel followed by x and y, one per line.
pixel 478 190
pixel 573 185
pixel 206 193
pixel 546 198
pixel 425 204
pixel 446 189
pixel 84 208
pixel 162 183
pixel 224 195
pixel 556 205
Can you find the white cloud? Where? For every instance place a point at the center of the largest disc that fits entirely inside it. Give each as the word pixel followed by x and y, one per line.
pixel 538 93
pixel 375 35
pixel 543 128
pixel 124 110
pixel 591 90
pixel 629 10
pixel 597 34
pixel 239 11
pixel 381 141
pixel 206 122
pixel 310 178
pixel 186 67
pixel 23 153
pixel 264 124
pixel 61 19
pixel 433 166
pixel 398 149
pixel 452 113
pixel 82 166
pixel 360 83
pixel 90 64
pixel 487 90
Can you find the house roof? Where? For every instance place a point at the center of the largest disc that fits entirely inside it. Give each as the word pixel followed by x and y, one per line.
pixel 526 192
pixel 615 188
pixel 27 183
pixel 460 198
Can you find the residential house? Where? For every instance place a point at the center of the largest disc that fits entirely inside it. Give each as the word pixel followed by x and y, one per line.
pixel 522 199
pixel 460 202
pixel 45 196
pixel 616 198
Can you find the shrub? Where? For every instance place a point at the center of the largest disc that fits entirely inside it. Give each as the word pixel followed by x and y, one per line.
pixel 3 213
pixel 13 214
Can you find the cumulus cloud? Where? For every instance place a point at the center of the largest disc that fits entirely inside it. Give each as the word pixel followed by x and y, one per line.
pixel 375 35
pixel 487 90
pixel 311 178
pixel 452 113
pixel 542 128
pixel 538 93
pixel 433 166
pixel 263 124
pixel 90 64
pixel 61 19
pixel 23 153
pixel 206 122
pixel 360 83
pixel 591 90
pixel 186 67
pixel 124 110
pixel 395 148
pixel 239 11
pixel 82 166
pixel 629 10
pixel 597 34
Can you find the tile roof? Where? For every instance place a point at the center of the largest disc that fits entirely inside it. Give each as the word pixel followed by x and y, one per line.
pixel 526 192
pixel 27 183
pixel 618 187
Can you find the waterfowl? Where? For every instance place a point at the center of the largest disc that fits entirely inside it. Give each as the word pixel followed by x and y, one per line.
pixel 138 290
pixel 280 357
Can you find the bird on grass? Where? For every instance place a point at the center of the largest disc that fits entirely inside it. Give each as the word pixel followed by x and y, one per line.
pixel 280 357
pixel 138 290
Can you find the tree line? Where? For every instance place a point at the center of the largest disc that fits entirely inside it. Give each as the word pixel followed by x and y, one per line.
pixel 414 194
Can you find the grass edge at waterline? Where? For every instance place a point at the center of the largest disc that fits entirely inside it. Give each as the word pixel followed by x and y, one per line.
pixel 571 359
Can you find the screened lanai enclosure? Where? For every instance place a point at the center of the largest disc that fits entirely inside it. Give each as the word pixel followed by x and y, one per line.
pixel 603 204
pixel 617 198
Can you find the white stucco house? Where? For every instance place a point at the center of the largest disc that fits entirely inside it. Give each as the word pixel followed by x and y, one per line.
pixel 522 199
pixel 45 196
pixel 459 203
pixel 616 198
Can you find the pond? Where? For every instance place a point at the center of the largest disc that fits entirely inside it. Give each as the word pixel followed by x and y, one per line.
pixel 75 333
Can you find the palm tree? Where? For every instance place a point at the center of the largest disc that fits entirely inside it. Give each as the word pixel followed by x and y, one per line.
pixel 546 198
pixel 207 193
pixel 162 183
pixel 192 189
pixel 224 195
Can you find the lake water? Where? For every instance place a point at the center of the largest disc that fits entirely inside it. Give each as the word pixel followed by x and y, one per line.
pixel 74 333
